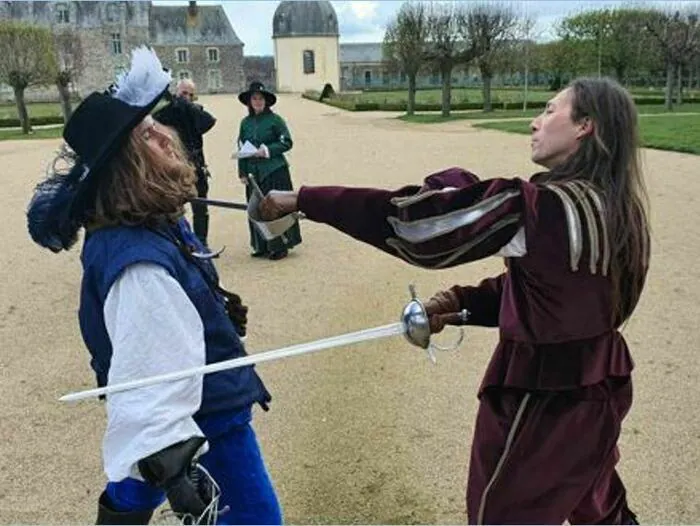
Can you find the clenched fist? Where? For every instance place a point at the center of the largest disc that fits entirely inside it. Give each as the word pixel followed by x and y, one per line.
pixel 443 309
pixel 278 203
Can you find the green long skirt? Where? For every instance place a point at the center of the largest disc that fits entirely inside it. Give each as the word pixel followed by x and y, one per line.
pixel 280 179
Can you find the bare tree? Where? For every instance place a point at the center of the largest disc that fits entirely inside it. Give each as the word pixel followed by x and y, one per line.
pixel 490 27
pixel 70 62
pixel 26 58
pixel 404 45
pixel 526 36
pixel 678 34
pixel 445 46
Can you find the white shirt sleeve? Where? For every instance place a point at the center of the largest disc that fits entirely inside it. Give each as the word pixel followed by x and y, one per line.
pixel 516 247
pixel 154 329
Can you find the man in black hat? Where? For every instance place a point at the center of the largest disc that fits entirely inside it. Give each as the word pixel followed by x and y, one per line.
pixel 191 121
pixel 151 303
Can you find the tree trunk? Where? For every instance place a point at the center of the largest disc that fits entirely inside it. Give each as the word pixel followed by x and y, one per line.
pixel 66 107
pixel 620 72
pixel 446 91
pixel 22 110
pixel 527 76
pixel 411 106
pixel 669 85
pixel 486 91
pixel 679 98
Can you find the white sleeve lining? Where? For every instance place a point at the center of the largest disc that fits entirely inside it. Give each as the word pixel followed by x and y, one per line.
pixel 516 247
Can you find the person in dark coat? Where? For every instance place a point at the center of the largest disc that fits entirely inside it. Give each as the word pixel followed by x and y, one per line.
pixel 191 121
pixel 268 132
pixel 575 240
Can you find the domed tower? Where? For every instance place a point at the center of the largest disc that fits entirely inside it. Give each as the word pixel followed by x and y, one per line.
pixel 305 35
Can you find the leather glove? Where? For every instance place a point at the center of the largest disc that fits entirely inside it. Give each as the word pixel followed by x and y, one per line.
pixel 173 469
pixel 237 312
pixel 443 309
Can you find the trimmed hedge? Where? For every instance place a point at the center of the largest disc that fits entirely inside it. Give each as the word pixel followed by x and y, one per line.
pixel 13 122
pixel 352 104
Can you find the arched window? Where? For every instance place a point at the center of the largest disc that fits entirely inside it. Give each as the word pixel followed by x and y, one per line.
pixel 309 62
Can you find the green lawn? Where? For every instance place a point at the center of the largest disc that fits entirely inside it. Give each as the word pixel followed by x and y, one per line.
pixel 37 109
pixel 39 133
pixel 434 96
pixel 436 117
pixel 679 133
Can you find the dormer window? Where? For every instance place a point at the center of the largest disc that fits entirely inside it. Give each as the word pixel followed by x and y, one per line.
pixel 62 14
pixel 113 12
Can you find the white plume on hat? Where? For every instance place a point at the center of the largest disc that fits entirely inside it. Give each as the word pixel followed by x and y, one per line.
pixel 145 81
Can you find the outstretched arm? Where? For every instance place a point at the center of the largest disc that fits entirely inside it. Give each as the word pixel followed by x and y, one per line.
pixel 452 219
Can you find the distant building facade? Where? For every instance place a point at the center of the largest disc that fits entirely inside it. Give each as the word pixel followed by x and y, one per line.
pixel 260 68
pixel 363 66
pixel 194 41
pixel 306 49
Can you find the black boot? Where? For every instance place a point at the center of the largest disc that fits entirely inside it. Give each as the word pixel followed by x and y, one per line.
pixel 106 515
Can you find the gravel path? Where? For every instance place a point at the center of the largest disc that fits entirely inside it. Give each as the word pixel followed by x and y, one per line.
pixel 371 433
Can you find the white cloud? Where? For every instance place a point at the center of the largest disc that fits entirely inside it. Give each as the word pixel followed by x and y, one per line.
pixel 364 10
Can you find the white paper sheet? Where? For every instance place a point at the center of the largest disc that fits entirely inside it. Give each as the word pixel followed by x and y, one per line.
pixel 246 150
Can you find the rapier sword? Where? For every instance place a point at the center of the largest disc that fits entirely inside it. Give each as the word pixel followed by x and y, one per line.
pixel 414 325
pixel 216 202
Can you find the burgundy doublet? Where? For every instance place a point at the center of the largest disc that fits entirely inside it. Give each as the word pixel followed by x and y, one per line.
pixel 557 387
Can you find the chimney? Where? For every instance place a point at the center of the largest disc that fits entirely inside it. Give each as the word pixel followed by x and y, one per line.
pixel 192 10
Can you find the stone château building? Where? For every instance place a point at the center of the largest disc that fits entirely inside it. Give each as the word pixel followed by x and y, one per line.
pixel 305 35
pixel 194 41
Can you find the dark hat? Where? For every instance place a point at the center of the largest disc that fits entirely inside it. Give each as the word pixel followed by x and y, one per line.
pixel 95 132
pixel 258 87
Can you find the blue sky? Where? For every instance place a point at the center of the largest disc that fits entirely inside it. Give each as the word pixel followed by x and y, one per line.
pixel 365 20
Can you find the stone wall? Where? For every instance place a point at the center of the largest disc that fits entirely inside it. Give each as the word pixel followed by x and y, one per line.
pixel 104 56
pixel 202 71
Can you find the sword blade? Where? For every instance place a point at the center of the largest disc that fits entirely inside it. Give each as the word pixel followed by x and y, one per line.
pixel 383 331
pixel 216 202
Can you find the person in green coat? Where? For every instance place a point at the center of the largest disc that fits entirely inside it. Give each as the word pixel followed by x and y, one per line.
pixel 268 132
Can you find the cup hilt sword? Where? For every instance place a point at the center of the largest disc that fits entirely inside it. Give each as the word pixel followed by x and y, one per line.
pixel 414 326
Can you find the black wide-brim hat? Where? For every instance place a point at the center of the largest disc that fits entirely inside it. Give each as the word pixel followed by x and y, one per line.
pixel 257 87
pixel 97 129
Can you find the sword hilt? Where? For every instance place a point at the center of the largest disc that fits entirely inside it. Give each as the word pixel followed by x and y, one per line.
pixel 416 324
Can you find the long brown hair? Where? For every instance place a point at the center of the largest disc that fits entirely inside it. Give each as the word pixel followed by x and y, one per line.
pixel 138 188
pixel 609 158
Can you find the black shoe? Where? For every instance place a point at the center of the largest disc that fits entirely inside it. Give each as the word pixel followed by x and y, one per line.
pixel 258 254
pixel 106 515
pixel 276 256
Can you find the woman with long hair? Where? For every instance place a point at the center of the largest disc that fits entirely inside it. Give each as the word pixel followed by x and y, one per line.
pixel 151 304
pixel 268 132
pixel 575 239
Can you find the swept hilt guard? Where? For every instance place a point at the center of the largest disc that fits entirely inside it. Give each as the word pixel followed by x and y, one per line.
pixel 417 326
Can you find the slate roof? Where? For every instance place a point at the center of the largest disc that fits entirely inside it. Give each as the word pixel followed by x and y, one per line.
pixel 294 18
pixel 170 26
pixel 361 52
